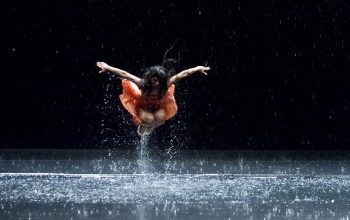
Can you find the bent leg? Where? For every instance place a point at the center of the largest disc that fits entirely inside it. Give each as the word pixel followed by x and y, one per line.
pixel 150 121
pixel 160 115
pixel 146 117
pixel 159 119
pixel 147 121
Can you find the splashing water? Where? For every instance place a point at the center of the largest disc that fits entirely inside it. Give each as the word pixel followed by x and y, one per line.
pixel 200 185
pixel 143 161
pixel 105 108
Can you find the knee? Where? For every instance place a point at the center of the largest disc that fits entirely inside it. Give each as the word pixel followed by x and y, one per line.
pixel 147 118
pixel 160 115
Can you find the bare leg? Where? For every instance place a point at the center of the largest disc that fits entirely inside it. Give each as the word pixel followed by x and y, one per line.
pixel 147 120
pixel 159 117
pixel 146 117
pixel 150 121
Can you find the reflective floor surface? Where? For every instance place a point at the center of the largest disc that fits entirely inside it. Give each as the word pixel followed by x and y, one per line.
pixel 99 184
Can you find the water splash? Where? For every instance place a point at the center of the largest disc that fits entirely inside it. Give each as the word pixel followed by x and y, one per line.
pixel 108 111
pixel 143 161
pixel 113 116
pixel 170 154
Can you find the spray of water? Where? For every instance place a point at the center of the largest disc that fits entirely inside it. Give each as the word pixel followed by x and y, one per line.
pixel 105 109
pixel 144 161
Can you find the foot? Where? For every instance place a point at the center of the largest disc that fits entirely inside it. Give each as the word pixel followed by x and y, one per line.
pixel 141 129
pixel 149 130
pixel 144 129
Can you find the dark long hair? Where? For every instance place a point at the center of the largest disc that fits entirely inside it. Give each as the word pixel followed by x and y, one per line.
pixel 162 72
pixel 162 76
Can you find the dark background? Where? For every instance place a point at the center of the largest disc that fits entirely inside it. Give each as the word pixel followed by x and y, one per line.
pixel 279 77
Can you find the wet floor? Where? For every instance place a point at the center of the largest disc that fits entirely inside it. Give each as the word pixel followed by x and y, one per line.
pixel 186 185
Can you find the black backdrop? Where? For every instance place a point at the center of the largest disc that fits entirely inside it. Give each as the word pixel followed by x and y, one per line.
pixel 279 75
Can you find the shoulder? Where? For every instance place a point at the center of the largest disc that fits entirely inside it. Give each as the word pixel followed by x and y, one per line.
pixel 171 88
pixel 173 80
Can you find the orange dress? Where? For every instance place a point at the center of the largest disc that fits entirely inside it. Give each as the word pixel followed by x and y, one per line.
pixel 133 100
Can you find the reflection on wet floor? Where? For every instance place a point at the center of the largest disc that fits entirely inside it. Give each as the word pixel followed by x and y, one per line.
pixel 191 185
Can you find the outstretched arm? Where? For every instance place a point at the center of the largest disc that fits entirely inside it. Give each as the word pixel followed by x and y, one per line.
pixel 188 72
pixel 107 68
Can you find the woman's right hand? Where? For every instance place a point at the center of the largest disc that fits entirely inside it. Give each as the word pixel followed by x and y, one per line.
pixel 103 66
pixel 201 69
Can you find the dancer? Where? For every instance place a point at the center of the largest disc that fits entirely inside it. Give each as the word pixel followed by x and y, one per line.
pixel 150 100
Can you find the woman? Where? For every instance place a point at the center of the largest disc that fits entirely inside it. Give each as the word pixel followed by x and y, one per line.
pixel 150 100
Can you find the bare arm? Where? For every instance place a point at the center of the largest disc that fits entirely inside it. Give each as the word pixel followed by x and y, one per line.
pixel 188 72
pixel 122 73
